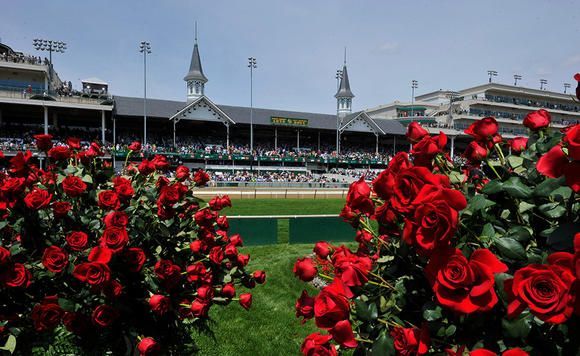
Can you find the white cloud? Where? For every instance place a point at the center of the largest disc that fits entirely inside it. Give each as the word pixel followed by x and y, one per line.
pixel 388 47
pixel 572 61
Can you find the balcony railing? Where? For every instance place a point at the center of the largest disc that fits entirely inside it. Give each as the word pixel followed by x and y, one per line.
pixel 40 94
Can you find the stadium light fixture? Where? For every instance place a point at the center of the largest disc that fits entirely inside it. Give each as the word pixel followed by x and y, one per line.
pixel 566 87
pixel 491 73
pixel 252 64
pixel 338 78
pixel 49 46
pixel 543 82
pixel 516 78
pixel 414 85
pixel 145 48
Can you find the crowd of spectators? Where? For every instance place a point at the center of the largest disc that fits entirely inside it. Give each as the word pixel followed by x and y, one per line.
pixel 23 58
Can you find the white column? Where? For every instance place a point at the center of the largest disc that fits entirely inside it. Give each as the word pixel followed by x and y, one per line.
pixel 377 144
pixel 45 120
pixel 174 139
pixel 298 139
pixel 103 127
pixel 452 146
pixel 228 137
pixel 275 138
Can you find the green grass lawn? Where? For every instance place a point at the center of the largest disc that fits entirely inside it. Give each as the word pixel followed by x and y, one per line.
pixel 270 326
pixel 284 206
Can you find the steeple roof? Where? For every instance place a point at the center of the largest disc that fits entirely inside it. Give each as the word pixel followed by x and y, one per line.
pixel 344 89
pixel 195 70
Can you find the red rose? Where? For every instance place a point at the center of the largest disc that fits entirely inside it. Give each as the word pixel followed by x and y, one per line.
pixel 200 178
pixel 553 162
pixel 113 289
pixel 76 323
pixel 322 249
pixel 515 352
pixel 37 199
pixel 148 347
pixel 125 191
pixel 572 140
pixel 169 196
pixel 109 200
pixel 168 273
pixel 545 289
pixel 461 285
pixel 73 186
pixel 61 209
pixel 343 335
pixel 410 341
pixel 304 307
pixel 577 78
pixel 518 144
pixel 351 269
pixel 104 315
pixel 116 219
pixel 358 197
pixel 475 152
pixel 54 259
pixel 46 315
pixel 135 146
pixel 100 255
pixel 331 305
pixel 231 252
pixel 159 304
pixel 200 308
pixel 363 237
pixel 305 269
pixel 228 291
pixel 134 259
pixel 537 120
pixel 77 240
pixel 115 238
pixel 415 132
pixel 246 300
pixel 74 143
pixel 205 292
pixel 19 164
pixel 223 223
pixel 160 162
pixel 259 277
pixel 216 255
pixel 242 259
pixel 182 173
pixel 316 344
pixel 218 203
pixel 425 150
pixel 146 167
pixel 405 184
pixel 43 142
pixel 59 153
pixel 205 217
pixel 236 240
pixel 4 256
pixel 93 273
pixel 483 129
pixel 16 276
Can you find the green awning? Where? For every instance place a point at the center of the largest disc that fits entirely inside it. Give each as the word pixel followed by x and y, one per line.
pixel 412 108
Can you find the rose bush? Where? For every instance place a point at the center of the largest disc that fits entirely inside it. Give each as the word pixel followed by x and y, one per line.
pixel 127 263
pixel 480 257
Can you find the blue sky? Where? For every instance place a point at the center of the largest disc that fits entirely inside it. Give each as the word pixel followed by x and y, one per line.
pixel 299 45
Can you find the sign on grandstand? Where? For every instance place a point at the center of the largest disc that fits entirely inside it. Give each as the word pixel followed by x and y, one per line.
pixel 288 121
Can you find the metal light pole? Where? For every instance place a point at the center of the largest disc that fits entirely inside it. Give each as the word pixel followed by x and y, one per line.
pixel 145 48
pixel 542 83
pixel 414 85
pixel 516 78
pixel 566 87
pixel 50 46
pixel 491 73
pixel 252 64
pixel 451 95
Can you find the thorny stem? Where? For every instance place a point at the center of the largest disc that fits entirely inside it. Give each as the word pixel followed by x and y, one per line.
pixel 363 340
pixel 500 153
pixel 381 279
pixel 492 168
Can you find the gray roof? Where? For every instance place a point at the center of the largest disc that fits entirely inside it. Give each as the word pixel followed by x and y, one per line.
pixel 164 109
pixel 344 89
pixel 195 70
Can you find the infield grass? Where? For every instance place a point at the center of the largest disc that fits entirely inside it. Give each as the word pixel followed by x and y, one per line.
pixel 284 206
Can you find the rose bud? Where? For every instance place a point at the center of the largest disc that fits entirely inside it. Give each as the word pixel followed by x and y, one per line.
pixel 201 178
pixel 61 209
pixel 4 256
pixel 135 146
pixel 74 143
pixel 43 142
pixel 363 236
pixel 205 293
pixel 159 304
pixel 537 120
pixel 475 153
pixel 305 269
pixel 228 291
pixel 199 308
pixel 572 140
pixel 518 144
pixel 236 240
pixel 182 173
pixel 243 259
pixel 148 347
pixel 415 132
pixel 104 315
pixel 305 307
pixel 231 252
pixel 259 276
pixel 146 167
pixel 318 344
pixel 246 300
pixel 322 249
pixel 484 129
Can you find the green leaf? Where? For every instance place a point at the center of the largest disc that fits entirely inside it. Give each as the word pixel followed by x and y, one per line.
pixel 516 188
pixel 562 238
pixel 515 161
pixel 519 233
pixel 493 187
pixel 561 193
pixel 479 202
pixel 362 310
pixel 431 311
pixel 88 179
pixel 450 330
pixel 456 177
pixel 525 206
pixel 10 344
pixel 499 285
pixel 66 304
pixel 383 346
pixel 488 230
pixel 517 328
pixel 552 210
pixel 545 188
pixel 511 248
